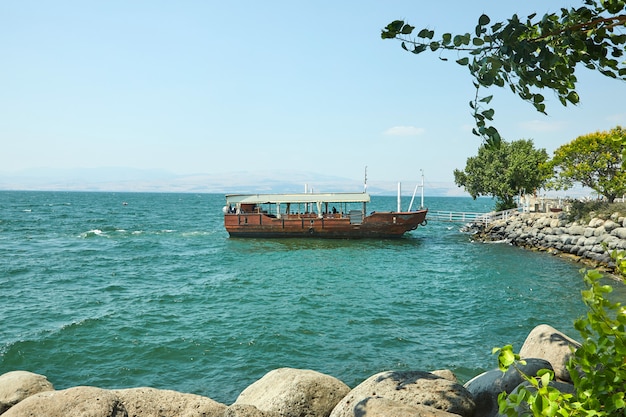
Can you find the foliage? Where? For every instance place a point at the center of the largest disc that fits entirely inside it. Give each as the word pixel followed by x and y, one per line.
pixel 529 55
pixel 504 172
pixel 595 161
pixel 584 211
pixel 598 367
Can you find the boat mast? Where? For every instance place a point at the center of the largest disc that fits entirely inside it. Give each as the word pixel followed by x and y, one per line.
pixel 365 181
pixel 422 205
pixel 415 190
pixel 399 201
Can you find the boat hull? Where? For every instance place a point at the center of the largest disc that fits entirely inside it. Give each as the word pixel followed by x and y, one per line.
pixel 376 225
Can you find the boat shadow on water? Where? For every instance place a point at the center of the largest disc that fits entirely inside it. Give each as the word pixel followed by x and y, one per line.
pixel 408 241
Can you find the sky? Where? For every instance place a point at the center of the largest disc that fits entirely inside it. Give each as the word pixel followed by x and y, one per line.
pixel 216 87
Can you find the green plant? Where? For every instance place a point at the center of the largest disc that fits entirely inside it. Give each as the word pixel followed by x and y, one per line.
pixel 598 367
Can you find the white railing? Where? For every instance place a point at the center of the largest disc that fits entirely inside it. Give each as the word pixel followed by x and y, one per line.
pixel 462 217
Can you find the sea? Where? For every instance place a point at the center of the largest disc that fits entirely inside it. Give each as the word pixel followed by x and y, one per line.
pixel 121 290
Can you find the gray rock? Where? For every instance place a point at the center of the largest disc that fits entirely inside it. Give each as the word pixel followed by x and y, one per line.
pixel 547 343
pixel 18 385
pixel 384 407
pixel 610 225
pixel 600 231
pixel 152 402
pixel 244 410
pixel 411 388
pixel 74 402
pixel 576 230
pixel 295 393
pixel 620 232
pixel 486 387
pixel 446 374
pixel 596 222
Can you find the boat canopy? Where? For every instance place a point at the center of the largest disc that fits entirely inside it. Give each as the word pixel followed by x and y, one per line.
pixel 298 198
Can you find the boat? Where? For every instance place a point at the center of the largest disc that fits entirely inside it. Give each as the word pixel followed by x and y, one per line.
pixel 317 215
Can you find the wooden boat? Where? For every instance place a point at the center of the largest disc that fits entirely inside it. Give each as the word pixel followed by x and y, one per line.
pixel 320 215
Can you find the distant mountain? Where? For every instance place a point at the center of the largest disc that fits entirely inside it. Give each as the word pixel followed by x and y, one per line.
pixel 138 180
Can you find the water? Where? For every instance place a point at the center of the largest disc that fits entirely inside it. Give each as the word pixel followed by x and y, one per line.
pixel 154 293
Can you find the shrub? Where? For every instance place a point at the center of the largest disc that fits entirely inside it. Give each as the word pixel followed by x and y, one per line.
pixel 598 367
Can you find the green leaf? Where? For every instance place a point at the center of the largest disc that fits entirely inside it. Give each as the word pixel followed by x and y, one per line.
pixel 407 29
pixel 483 20
pixel 463 61
pixel 488 113
pixel 486 100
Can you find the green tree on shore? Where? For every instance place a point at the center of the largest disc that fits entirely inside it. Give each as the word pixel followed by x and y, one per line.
pixel 529 55
pixel 595 161
pixel 504 172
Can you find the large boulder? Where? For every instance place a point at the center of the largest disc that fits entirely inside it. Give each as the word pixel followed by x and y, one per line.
pixel 75 402
pixel 244 410
pixel 295 393
pixel 152 402
pixel 410 388
pixel 18 385
pixel 384 407
pixel 547 343
pixel 486 387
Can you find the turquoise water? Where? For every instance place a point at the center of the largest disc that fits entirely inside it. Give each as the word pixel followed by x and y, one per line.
pixel 154 293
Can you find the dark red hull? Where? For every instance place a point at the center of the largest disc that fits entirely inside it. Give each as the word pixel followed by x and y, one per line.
pixel 376 225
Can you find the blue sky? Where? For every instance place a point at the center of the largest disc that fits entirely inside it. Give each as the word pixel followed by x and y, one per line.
pixel 217 87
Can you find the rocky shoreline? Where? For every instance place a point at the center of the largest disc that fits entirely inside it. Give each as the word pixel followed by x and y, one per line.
pixel 289 392
pixel 589 243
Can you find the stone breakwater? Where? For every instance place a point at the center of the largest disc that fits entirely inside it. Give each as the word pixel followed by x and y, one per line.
pixel 288 392
pixel 591 242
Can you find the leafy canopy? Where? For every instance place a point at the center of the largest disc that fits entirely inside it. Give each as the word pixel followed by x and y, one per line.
pixel 504 172
pixel 529 55
pixel 595 161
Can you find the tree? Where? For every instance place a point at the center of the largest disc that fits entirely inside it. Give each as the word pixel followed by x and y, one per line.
pixel 530 55
pixel 593 160
pixel 504 172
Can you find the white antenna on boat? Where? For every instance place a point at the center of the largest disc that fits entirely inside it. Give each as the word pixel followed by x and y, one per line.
pixel 399 198
pixel 415 191
pixel 365 181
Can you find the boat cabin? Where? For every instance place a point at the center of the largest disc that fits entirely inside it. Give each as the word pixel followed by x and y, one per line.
pixel 320 205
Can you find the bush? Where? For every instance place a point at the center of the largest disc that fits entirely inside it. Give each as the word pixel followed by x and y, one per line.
pixel 583 211
pixel 598 367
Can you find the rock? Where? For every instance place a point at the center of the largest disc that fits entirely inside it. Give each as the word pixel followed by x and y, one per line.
pixel 244 410
pixel 295 393
pixel 410 388
pixel 486 387
pixel 446 374
pixel 620 232
pixel 596 222
pixel 18 385
pixel 610 225
pixel 74 402
pixel 576 230
pixel 547 343
pixel 384 407
pixel 152 402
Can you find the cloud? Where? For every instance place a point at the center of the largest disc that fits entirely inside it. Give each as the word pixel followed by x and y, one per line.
pixel 617 118
pixel 542 126
pixel 404 131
